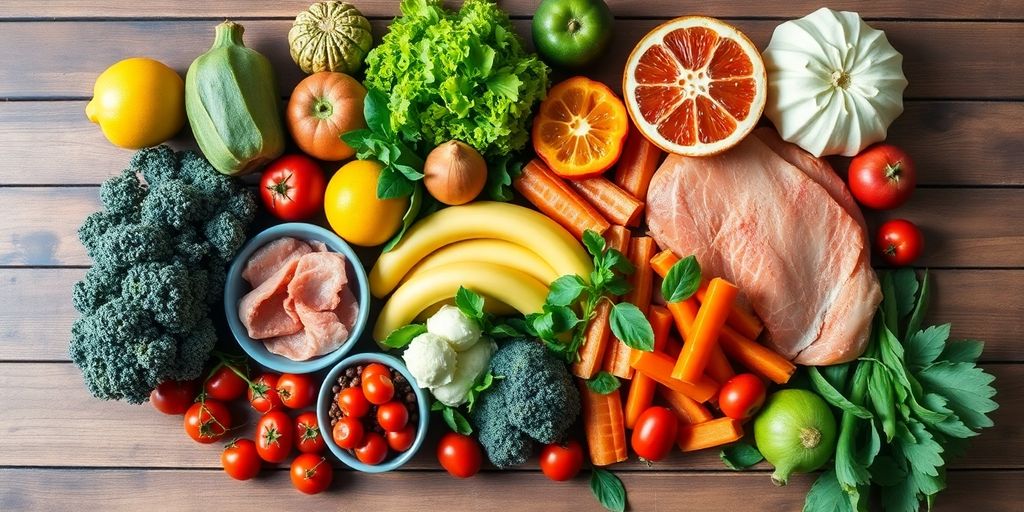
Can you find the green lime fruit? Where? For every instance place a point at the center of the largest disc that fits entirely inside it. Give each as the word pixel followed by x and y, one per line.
pixel 572 33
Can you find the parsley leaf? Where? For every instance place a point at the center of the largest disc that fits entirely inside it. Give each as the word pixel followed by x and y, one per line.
pixel 924 347
pixel 826 495
pixel 967 388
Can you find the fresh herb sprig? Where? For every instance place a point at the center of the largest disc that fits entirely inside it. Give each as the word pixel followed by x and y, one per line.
pixel 471 305
pixel 402 160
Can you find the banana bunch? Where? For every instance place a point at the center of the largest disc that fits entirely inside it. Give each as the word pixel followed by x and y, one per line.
pixel 504 252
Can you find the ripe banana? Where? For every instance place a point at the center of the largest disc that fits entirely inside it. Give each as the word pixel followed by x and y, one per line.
pixel 491 305
pixel 504 284
pixel 487 250
pixel 484 219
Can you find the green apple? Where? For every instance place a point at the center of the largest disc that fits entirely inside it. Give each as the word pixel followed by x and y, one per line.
pixel 572 33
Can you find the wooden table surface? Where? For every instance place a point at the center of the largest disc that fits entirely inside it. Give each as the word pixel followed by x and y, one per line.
pixel 60 449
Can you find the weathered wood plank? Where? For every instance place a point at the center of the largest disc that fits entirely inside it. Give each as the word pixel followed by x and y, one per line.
pixel 980 61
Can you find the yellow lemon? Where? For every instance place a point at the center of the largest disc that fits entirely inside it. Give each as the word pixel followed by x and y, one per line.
pixel 138 102
pixel 353 209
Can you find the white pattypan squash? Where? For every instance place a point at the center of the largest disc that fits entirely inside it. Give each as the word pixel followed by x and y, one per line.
pixel 834 83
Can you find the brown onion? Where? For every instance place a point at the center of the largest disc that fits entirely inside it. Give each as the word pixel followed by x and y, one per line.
pixel 454 173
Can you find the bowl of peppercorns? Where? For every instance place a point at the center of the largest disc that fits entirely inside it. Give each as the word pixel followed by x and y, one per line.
pixel 374 415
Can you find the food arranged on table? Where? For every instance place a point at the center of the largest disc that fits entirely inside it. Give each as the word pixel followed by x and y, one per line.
pixel 669 273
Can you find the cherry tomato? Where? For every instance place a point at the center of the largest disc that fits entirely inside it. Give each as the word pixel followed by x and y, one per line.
pixel 174 396
pixel 401 440
pixel 655 433
pixel 275 436
pixel 392 416
pixel 460 455
pixel 263 393
pixel 207 421
pixel 292 187
pixel 311 474
pixel 240 459
pixel 296 391
pixel 378 389
pixel 308 437
pixel 741 396
pixel 882 177
pixel 900 242
pixel 353 402
pixel 225 385
pixel 348 433
pixel 561 462
pixel 373 450
pixel 375 369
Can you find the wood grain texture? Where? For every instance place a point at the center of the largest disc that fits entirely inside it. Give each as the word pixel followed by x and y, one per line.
pixel 985 62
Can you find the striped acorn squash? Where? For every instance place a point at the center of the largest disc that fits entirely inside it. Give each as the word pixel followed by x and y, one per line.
pixel 330 36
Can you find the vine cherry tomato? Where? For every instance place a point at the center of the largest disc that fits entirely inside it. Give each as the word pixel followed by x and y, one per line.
pixel 292 187
pixel 240 459
pixel 561 462
pixel 207 421
pixel 275 435
pixel 741 396
pixel 378 389
pixel 401 440
pixel 900 242
pixel 373 450
pixel 311 474
pixel 655 433
pixel 375 369
pixel 882 177
pixel 348 433
pixel 296 391
pixel 460 455
pixel 224 384
pixel 308 437
pixel 392 416
pixel 352 402
pixel 174 396
pixel 263 393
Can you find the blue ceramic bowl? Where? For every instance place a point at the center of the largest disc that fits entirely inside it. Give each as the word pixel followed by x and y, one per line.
pixel 326 397
pixel 236 287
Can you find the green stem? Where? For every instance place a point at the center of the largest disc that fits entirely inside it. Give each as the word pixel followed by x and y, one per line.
pixel 228 33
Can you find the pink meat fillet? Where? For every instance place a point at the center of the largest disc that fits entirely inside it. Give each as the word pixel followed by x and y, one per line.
pixel 324 332
pixel 319 279
pixel 264 311
pixel 271 257
pixel 799 257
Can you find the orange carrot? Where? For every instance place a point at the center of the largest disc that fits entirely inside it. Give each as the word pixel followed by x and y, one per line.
pixel 685 314
pixel 718 367
pixel 745 322
pixel 685 408
pixel 663 261
pixel 602 422
pixel 659 367
pixel 637 164
pixel 693 360
pixel 756 357
pixel 641 390
pixel 615 204
pixel 552 196
pixel 595 343
pixel 709 434
pixel 641 249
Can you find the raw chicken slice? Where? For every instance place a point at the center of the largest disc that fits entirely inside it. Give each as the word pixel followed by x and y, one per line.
pixel 319 278
pixel 268 259
pixel 324 331
pixel 264 311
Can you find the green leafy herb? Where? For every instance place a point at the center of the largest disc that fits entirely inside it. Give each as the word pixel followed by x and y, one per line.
pixel 740 456
pixel 469 303
pixel 682 280
pixel 401 158
pixel 403 335
pixel 608 489
pixel 483 383
pixel 603 383
pixel 565 290
pixel 453 418
pixel 410 216
pixel 834 397
pixel 631 327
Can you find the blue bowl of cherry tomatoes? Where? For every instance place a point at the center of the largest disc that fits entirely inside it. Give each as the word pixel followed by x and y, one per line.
pixel 373 415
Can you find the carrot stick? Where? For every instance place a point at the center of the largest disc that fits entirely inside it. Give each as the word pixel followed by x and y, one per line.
pixel 641 390
pixel 602 422
pixel 641 249
pixel 756 357
pixel 740 319
pixel 709 434
pixel 637 164
pixel 553 197
pixel 685 314
pixel 595 342
pixel 718 367
pixel 615 204
pixel 663 261
pixel 693 360
pixel 686 409
pixel 659 367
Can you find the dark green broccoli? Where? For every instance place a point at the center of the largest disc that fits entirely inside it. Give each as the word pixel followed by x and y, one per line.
pixel 535 400
pixel 160 248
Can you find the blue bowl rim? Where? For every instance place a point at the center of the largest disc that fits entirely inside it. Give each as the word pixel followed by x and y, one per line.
pixel 326 397
pixel 304 231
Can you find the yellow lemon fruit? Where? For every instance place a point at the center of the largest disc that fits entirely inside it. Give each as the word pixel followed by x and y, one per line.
pixel 138 102
pixel 353 209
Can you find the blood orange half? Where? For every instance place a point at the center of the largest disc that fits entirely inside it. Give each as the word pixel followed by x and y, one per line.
pixel 695 86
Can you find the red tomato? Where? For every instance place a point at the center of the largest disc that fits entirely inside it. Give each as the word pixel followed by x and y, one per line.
pixel 348 433
pixel 378 389
pixel 401 440
pixel 240 459
pixel 882 177
pixel 655 433
pixel 292 187
pixel 207 421
pixel 353 402
pixel 460 455
pixel 373 450
pixel 311 474
pixel 308 437
pixel 275 435
pixel 174 396
pixel 263 393
pixel 375 369
pixel 900 242
pixel 741 396
pixel 561 462
pixel 392 416
pixel 225 385
pixel 296 391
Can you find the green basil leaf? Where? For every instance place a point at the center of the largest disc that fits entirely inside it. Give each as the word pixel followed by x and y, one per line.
pixel 740 456
pixel 594 243
pixel 834 397
pixel 471 304
pixel 565 290
pixel 563 318
pixel 505 330
pixel 603 383
pixel 500 174
pixel 403 335
pixel 437 406
pixel 357 138
pixel 520 326
pixel 682 280
pixel 615 260
pixel 617 286
pixel 392 184
pixel 608 489
pixel 376 113
pixel 543 324
pixel 456 421
pixel 415 203
pixel 631 327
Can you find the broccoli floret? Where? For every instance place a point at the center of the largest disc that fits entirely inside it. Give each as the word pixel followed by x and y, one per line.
pixel 195 170
pixel 122 195
pixel 100 283
pixel 190 247
pixel 226 233
pixel 173 203
pixel 155 164
pixel 173 293
pixel 534 401
pixel 126 244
